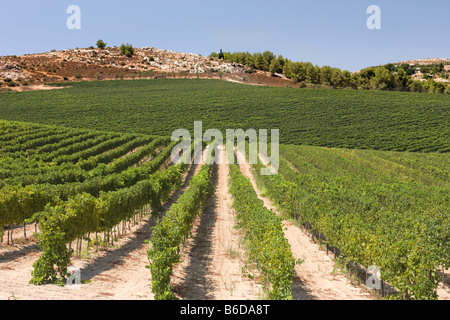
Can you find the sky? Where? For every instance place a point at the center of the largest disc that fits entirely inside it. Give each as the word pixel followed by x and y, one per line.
pixel 324 32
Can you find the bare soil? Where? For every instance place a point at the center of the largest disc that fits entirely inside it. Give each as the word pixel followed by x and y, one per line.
pixel 213 259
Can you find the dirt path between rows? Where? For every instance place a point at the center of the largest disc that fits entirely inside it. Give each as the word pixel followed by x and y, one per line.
pixel 314 279
pixel 117 272
pixel 213 259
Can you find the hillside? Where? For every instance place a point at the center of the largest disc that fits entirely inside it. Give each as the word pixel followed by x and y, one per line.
pixel 32 71
pixel 423 69
pixel 36 71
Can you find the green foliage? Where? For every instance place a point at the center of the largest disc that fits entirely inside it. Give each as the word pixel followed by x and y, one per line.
pixel 127 50
pixel 44 180
pixel 29 183
pixel 101 44
pixel 389 77
pixel 332 118
pixel 84 213
pixel 19 203
pixel 59 225
pixel 267 246
pixel 169 233
pixel 377 208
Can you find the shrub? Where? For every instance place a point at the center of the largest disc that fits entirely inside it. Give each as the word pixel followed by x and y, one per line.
pixel 127 50
pixel 447 89
pixel 101 44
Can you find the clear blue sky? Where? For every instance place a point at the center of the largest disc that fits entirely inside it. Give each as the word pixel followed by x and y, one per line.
pixel 324 32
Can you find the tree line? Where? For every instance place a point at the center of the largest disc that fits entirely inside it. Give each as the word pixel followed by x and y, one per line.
pixel 304 73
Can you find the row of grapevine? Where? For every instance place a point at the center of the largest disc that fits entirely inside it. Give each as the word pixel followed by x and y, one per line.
pixel 34 143
pixel 9 127
pixel 111 143
pixel 108 157
pixel 18 204
pixel 264 236
pixel 25 157
pixel 68 172
pixel 75 148
pixel 9 135
pixel 122 163
pixel 23 139
pixel 175 226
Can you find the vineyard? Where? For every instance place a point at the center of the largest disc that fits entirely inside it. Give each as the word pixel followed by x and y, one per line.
pixel 105 196
pixel 398 121
pixel 73 186
pixel 386 209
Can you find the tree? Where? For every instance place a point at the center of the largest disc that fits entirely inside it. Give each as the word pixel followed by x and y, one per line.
pixel 382 79
pixel 298 71
pixel 274 67
pixel 258 61
pixel 346 79
pixel 336 78
pixel 267 58
pixel 363 78
pixel 390 67
pixel 416 86
pixel 447 89
pixel 127 50
pixel 101 44
pixel 325 75
pixel 404 66
pixel 312 73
